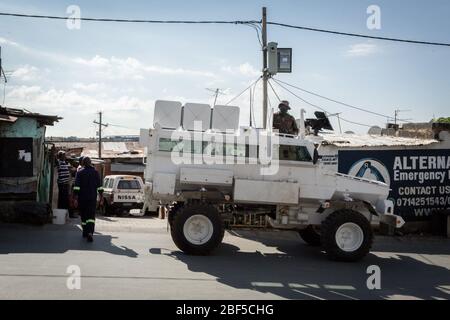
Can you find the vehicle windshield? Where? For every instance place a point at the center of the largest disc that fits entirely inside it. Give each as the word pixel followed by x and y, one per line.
pixel 129 184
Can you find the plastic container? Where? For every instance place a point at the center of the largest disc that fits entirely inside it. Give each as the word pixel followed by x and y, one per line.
pixel 60 216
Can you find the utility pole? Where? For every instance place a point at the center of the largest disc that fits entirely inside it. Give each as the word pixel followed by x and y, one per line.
pixel 396 112
pixel 100 125
pixel 265 71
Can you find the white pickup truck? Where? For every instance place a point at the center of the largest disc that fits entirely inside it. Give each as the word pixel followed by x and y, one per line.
pixel 122 193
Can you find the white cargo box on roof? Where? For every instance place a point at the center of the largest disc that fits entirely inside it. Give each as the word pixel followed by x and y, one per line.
pixel 167 114
pixel 225 118
pixel 206 176
pixel 196 112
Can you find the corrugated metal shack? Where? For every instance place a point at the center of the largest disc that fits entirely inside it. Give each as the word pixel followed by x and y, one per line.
pixel 26 166
pixel 120 157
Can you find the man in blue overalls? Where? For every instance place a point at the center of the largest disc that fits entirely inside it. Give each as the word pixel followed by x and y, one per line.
pixel 87 185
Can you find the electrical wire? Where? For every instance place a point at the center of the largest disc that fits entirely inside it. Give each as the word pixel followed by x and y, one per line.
pixel 359 35
pixel 240 94
pixel 285 25
pixel 120 126
pixel 257 29
pixel 276 94
pixel 339 102
pixel 128 20
pixel 357 123
pixel 301 99
pixel 253 102
pixel 319 107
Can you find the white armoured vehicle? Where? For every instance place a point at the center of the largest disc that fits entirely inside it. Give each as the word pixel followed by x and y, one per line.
pixel 211 174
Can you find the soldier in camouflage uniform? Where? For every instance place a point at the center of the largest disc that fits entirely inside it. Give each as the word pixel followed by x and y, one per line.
pixel 283 121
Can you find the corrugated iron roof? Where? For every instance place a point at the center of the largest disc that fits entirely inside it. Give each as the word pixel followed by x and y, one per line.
pixel 128 149
pixel 368 140
pixel 15 113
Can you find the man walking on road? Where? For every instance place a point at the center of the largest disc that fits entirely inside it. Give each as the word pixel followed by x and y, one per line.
pixel 87 185
pixel 63 180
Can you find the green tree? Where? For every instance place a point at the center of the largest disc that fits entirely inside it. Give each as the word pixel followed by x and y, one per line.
pixel 442 120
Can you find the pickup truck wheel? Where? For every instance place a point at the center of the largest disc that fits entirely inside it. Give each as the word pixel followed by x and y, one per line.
pixel 197 229
pixel 108 211
pixel 346 235
pixel 310 236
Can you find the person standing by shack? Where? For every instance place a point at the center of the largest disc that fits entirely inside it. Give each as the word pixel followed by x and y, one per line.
pixel 63 180
pixel 87 186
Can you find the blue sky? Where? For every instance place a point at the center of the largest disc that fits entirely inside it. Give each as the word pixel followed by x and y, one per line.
pixel 122 69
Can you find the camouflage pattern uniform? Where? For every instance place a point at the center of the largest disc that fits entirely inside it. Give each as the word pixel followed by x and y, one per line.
pixel 285 123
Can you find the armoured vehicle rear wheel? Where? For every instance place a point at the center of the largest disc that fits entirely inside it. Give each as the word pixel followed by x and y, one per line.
pixel 310 236
pixel 197 229
pixel 346 235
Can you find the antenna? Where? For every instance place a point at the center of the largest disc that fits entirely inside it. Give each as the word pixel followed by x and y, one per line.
pixel 216 91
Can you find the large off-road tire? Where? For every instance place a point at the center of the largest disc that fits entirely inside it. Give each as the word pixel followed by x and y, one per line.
pixel 197 229
pixel 310 236
pixel 346 235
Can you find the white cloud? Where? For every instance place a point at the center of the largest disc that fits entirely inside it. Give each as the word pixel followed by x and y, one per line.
pixel 26 73
pixel 72 101
pixel 135 69
pixel 4 41
pixel 245 69
pixel 362 50
pixel 90 87
pixel 96 61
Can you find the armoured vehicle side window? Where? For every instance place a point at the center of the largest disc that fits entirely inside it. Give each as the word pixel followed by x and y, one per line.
pixel 105 182
pixel 294 153
pixel 166 144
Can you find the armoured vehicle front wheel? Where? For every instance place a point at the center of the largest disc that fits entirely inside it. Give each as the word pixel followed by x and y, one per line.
pixel 197 229
pixel 346 235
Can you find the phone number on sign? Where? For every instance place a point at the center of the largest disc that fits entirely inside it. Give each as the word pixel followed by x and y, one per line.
pixel 423 201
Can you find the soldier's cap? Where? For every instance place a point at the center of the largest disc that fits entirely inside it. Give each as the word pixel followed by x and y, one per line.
pixel 284 103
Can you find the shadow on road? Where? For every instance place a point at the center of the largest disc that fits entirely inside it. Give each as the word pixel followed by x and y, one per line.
pixel 294 270
pixel 32 239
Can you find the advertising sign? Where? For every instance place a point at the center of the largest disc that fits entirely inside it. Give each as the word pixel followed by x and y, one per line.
pixel 419 179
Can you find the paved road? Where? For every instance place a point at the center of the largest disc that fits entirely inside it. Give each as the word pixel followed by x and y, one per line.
pixel 136 259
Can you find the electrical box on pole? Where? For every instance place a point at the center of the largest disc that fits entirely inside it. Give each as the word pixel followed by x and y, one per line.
pixel 272 57
pixel 284 57
pixel 279 59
